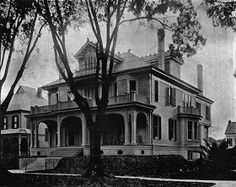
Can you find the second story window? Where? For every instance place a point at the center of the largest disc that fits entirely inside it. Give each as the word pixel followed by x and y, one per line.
pixel 198 106
pixel 208 113
pixel 156 96
pixel 132 86
pixel 187 100
pixel 46 135
pixel 170 96
pixel 15 122
pixel 5 123
pixel 156 120
pixel 172 130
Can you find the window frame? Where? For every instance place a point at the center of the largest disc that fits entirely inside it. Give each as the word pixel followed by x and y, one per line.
pixel 156 124
pixel 136 86
pixel 172 130
pixel 5 124
pixel 156 91
pixel 15 124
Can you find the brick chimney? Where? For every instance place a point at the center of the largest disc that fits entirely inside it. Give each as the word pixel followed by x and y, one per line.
pixel 161 47
pixel 200 77
pixel 39 92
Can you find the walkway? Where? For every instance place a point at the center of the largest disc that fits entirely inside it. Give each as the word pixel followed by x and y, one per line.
pixel 218 183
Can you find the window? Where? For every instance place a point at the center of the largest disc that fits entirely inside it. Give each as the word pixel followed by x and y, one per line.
pixel 170 96
pixel 208 113
pixel 156 127
pixel 190 130
pixel 5 122
pixel 115 89
pixel 193 130
pixel 198 106
pixel 132 85
pixel 57 97
pixel 205 132
pixel 156 91
pixel 190 155
pixel 89 92
pixel 15 122
pixel 230 142
pixel 70 96
pixel 187 100
pixel 172 130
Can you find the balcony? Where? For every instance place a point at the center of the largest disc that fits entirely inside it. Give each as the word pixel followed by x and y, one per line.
pixel 122 99
pixel 188 111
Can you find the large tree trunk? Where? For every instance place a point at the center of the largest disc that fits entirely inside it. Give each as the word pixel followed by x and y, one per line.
pixel 95 162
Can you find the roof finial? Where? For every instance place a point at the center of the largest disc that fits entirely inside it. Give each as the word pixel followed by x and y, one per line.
pixel 87 39
pixel 129 50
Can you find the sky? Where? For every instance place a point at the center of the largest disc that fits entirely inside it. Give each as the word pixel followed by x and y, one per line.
pixel 217 58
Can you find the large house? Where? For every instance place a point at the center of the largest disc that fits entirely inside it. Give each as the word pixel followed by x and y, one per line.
pixel 230 134
pixel 15 132
pixel 151 110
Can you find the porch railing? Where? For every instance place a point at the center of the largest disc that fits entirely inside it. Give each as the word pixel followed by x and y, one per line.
pixel 188 111
pixel 128 98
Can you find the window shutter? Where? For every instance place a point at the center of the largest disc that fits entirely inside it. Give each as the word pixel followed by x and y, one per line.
pixel 159 123
pixel 156 91
pixel 167 96
pixel 174 96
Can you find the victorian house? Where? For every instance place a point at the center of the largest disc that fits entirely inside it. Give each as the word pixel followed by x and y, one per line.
pixel 15 130
pixel 151 109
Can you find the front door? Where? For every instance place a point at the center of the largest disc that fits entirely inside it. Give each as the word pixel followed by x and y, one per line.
pixel 71 138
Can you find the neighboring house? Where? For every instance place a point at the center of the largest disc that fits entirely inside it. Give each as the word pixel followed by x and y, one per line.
pixel 151 110
pixel 230 134
pixel 15 132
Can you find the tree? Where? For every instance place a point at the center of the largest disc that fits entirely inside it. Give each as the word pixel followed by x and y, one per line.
pixel 223 13
pixel 17 23
pixel 105 19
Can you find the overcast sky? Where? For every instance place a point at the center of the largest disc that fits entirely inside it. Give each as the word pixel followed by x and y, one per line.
pixel 217 58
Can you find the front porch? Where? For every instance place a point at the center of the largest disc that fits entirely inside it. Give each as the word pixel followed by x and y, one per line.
pixel 125 132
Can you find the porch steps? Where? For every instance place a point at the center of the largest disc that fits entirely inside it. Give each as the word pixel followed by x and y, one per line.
pixel 38 164
pixel 66 151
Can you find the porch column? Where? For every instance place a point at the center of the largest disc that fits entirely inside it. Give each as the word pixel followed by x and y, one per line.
pixel 150 128
pixel 36 135
pixel 32 134
pixel 19 144
pixel 134 127
pixel 58 131
pixel 126 121
pixel 84 131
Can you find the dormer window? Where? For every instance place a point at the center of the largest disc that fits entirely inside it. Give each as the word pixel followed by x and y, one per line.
pixel 90 63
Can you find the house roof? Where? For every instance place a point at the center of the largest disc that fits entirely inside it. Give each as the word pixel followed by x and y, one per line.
pixel 24 98
pixel 130 61
pixel 231 128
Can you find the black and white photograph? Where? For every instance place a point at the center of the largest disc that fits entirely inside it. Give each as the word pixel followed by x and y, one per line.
pixel 118 93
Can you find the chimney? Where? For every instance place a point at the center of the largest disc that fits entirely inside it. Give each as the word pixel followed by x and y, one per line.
pixel 39 92
pixel 161 47
pixel 229 122
pixel 200 77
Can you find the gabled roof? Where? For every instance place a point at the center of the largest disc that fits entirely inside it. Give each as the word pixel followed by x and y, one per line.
pixel 24 98
pixel 231 128
pixel 93 45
